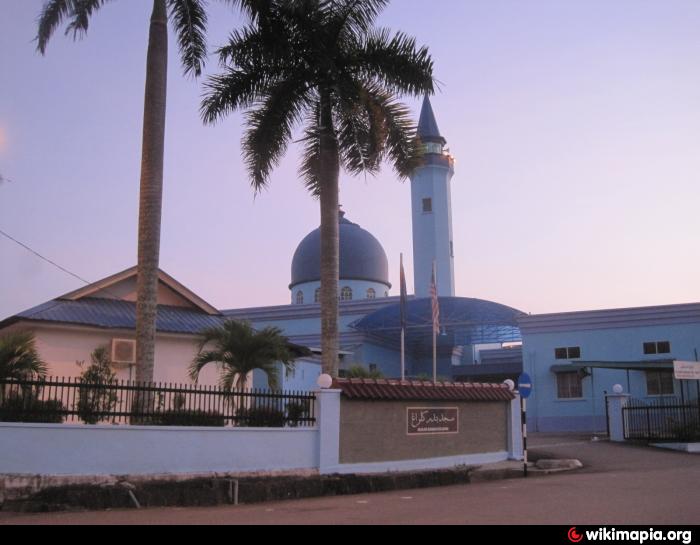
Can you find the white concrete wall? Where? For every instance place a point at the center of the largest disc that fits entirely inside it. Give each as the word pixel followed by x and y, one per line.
pixel 60 449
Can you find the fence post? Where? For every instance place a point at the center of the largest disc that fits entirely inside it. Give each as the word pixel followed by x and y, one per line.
pixel 328 418
pixel 616 424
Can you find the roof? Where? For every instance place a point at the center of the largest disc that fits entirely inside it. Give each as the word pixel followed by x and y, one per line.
pixel 465 320
pixel 114 314
pixel 361 256
pixel 163 277
pixel 613 318
pixel 417 390
pixel 428 130
pixel 638 365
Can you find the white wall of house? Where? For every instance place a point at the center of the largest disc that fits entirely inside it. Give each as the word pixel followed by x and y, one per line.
pixel 62 346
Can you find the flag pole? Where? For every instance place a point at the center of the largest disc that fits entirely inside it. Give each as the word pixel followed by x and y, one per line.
pixel 434 329
pixel 403 319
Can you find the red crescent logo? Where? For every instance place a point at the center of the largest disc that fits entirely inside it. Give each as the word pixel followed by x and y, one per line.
pixel 574 536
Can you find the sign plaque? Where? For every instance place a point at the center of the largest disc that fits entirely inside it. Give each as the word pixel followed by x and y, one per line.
pixel 432 420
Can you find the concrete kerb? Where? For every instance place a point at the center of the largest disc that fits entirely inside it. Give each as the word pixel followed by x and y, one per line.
pixel 27 493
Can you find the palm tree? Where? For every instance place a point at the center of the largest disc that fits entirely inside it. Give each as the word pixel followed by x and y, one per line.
pixel 19 358
pixel 238 349
pixel 189 20
pixel 324 66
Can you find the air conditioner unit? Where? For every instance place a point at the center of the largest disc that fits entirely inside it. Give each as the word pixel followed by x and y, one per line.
pixel 123 351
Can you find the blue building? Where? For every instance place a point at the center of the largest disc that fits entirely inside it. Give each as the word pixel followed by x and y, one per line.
pixel 574 358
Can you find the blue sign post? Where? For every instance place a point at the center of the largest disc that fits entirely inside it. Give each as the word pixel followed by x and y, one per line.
pixel 525 389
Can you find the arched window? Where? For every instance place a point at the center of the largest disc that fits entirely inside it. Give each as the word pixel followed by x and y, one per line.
pixel 371 294
pixel 346 294
pixel 300 297
pixel 317 295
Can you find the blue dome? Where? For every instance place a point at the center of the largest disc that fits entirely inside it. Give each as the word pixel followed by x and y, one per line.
pixel 361 256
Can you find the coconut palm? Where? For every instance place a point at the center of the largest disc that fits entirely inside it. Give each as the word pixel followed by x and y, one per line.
pixel 237 349
pixel 189 20
pixel 323 66
pixel 19 358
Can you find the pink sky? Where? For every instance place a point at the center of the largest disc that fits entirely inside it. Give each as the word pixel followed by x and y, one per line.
pixel 575 126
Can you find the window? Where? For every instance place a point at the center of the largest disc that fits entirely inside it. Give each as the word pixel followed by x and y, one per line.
pixel 570 353
pixel 372 367
pixel 569 385
pixel 300 297
pixel 657 347
pixel 659 383
pixel 427 206
pixel 317 295
pixel 346 294
pixel 371 294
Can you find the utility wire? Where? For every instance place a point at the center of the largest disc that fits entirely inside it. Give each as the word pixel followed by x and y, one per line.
pixel 87 282
pixel 3 233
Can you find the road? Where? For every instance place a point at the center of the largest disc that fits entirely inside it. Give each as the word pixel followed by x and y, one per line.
pixel 621 484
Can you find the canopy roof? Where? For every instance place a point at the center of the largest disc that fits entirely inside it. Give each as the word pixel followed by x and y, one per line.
pixel 463 320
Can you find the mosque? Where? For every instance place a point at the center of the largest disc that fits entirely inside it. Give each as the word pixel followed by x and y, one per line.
pixel 572 357
pixel 471 330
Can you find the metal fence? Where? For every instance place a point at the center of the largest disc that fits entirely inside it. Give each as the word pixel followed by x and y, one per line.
pixel 58 400
pixel 665 419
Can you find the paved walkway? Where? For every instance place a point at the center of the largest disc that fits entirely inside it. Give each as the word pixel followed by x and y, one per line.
pixel 621 484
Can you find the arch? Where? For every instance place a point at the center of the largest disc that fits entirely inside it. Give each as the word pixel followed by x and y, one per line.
pixel 371 293
pixel 300 297
pixel 346 293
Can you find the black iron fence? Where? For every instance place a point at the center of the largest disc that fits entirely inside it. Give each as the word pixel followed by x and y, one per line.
pixel 58 400
pixel 665 419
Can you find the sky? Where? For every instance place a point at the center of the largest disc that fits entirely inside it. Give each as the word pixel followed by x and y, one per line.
pixel 575 126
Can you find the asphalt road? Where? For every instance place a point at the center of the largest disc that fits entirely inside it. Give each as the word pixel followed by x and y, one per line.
pixel 620 484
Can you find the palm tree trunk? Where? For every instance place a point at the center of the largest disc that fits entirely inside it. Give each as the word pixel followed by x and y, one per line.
pixel 330 171
pixel 151 191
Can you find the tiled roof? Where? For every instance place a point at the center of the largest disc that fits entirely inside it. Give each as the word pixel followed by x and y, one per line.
pixel 417 390
pixel 115 314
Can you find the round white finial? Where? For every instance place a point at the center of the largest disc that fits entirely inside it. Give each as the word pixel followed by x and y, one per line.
pixel 510 384
pixel 618 389
pixel 324 381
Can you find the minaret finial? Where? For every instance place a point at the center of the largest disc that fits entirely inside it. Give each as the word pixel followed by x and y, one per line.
pixel 428 130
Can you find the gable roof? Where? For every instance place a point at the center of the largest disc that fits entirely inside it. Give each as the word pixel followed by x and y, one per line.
pixel 163 277
pixel 114 314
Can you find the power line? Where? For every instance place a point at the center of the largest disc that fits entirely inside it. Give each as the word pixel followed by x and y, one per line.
pixel 3 233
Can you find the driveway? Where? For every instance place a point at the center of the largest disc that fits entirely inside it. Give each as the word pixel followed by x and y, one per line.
pixel 621 484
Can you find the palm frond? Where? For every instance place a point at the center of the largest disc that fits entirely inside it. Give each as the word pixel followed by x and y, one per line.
pixel 238 349
pixel 189 18
pixel 270 128
pixel 403 148
pixel 395 62
pixel 80 14
pixel 355 17
pixel 52 15
pixel 19 358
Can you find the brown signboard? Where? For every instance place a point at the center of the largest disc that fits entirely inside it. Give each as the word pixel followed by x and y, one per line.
pixel 432 420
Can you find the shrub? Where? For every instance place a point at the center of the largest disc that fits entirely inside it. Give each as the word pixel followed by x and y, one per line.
pixel 297 410
pixel 95 399
pixel 27 408
pixel 260 417
pixel 189 418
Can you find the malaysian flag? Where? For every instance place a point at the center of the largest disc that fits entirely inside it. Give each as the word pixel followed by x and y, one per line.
pixel 434 302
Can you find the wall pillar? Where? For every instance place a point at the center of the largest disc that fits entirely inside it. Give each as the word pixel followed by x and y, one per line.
pixel 515 430
pixel 329 430
pixel 616 402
